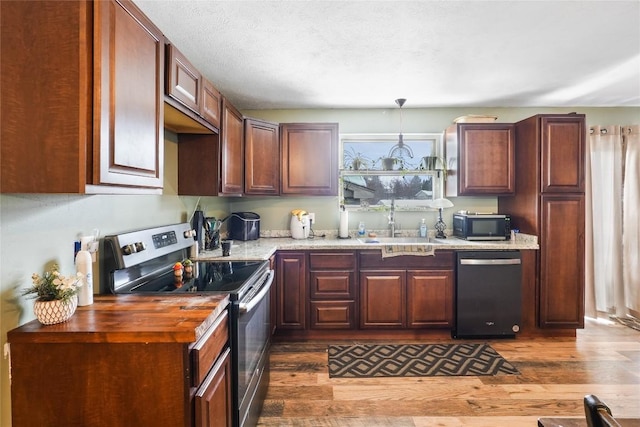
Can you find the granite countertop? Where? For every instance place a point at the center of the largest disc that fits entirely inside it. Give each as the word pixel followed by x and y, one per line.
pixel 265 247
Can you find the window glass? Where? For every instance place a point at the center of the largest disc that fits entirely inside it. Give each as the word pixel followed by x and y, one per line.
pixel 379 168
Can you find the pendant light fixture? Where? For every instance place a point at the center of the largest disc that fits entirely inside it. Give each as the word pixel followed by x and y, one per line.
pixel 400 150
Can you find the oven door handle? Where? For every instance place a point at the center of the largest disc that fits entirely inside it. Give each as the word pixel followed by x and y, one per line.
pixel 246 307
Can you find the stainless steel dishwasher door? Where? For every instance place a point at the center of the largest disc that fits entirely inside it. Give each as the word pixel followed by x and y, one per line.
pixel 488 294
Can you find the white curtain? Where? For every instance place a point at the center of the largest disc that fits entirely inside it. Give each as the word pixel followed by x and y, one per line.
pixel 631 220
pixel 613 233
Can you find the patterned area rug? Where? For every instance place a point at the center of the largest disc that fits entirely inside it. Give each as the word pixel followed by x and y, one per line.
pixel 415 360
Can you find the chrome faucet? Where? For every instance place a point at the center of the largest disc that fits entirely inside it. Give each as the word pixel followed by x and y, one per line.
pixel 392 219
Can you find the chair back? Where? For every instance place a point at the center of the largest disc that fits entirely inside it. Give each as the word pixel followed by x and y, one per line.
pixel 598 414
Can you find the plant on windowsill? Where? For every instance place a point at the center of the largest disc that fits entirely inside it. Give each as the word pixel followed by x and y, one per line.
pixel 356 161
pixel 434 163
pixel 56 295
pixel 389 162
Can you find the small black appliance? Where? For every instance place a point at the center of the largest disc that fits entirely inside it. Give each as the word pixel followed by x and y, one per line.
pixel 481 226
pixel 244 226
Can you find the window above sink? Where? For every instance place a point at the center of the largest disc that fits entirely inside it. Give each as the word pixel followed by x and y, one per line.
pixel 376 169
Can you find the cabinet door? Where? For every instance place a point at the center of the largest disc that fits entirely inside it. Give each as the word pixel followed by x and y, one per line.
pixel 46 126
pixel 562 154
pixel 211 103
pixel 213 398
pixel 183 79
pixel 429 299
pixel 382 299
pixel 128 97
pixel 487 159
pixel 291 287
pixel 309 159
pixel 231 151
pixel 562 261
pixel 262 157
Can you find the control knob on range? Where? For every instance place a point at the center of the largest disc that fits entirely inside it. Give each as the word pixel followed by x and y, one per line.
pixel 128 249
pixel 133 248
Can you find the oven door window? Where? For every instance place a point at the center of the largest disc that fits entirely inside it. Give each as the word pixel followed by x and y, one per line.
pixel 253 338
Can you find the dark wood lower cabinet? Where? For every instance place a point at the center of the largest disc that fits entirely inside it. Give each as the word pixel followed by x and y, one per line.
pixel 320 292
pixel 332 290
pixel 430 299
pixel 125 361
pixel 213 399
pixel 406 299
pixel 382 299
pixel 333 294
pixel 562 256
pixel 291 291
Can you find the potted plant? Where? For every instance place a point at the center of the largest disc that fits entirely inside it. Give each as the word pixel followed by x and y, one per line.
pixel 434 163
pixel 355 160
pixel 389 162
pixel 56 295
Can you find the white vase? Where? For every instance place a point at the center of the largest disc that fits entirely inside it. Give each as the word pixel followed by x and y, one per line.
pixel 56 311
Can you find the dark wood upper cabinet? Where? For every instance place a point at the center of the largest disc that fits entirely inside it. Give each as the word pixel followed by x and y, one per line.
pixel 184 82
pixel 309 159
pixel 190 92
pixel 231 151
pixel 261 158
pixel 486 158
pixel 562 153
pixel 211 103
pixel 87 119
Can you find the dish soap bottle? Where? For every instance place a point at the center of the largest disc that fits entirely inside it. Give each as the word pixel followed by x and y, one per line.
pixel 361 229
pixel 423 229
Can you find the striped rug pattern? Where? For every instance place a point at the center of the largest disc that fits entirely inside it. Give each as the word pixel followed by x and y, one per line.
pixel 416 360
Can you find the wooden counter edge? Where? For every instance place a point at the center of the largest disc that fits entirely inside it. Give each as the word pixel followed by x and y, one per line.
pixel 129 319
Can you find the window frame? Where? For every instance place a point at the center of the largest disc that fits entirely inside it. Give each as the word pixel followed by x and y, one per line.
pixel 436 140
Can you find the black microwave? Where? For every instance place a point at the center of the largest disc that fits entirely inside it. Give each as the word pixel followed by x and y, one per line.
pixel 478 226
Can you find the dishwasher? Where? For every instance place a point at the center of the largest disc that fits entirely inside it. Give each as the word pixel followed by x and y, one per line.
pixel 488 294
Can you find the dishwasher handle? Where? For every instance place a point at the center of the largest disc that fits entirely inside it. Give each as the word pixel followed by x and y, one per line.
pixel 492 261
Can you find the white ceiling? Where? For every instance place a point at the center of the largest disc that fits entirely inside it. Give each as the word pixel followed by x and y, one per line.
pixel 365 54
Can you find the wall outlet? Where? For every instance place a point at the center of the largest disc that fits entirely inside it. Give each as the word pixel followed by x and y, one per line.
pixel 312 217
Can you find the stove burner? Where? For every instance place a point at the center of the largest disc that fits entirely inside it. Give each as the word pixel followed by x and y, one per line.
pixel 207 277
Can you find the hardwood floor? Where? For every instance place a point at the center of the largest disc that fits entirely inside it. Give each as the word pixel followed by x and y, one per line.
pixel 556 373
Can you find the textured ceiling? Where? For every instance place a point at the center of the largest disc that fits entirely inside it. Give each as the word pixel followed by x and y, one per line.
pixel 365 54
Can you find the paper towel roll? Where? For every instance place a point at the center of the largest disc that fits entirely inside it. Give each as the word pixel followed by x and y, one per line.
pixel 344 225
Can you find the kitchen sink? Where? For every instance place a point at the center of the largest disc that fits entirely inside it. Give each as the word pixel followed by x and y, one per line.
pixel 403 241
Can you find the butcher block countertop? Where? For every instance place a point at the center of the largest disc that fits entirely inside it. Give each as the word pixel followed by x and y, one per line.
pixel 129 319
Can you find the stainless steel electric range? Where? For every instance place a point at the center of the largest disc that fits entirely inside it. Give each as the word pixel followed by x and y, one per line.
pixel 142 262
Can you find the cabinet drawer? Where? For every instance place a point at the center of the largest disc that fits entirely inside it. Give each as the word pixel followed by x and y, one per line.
pixel 332 315
pixel 373 259
pixel 332 260
pixel 207 349
pixel 331 284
